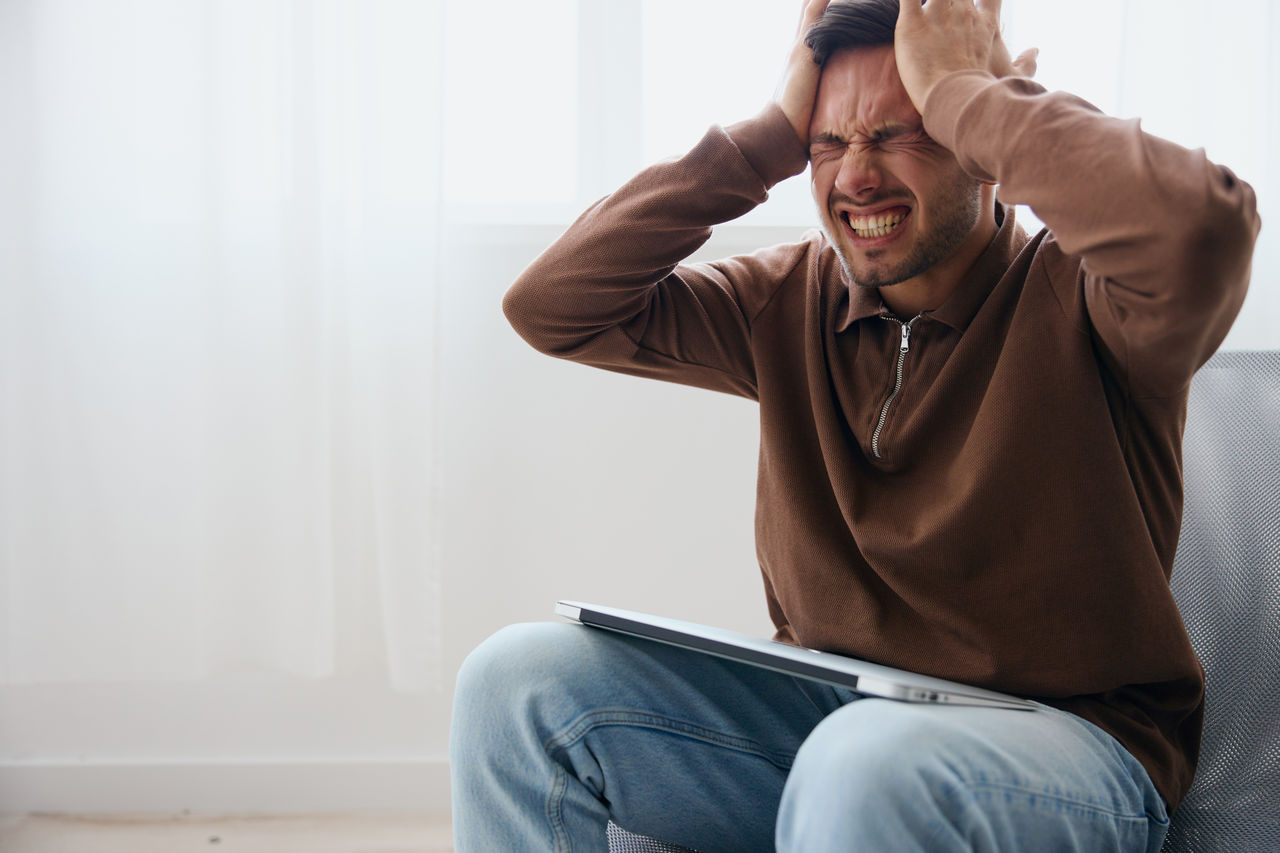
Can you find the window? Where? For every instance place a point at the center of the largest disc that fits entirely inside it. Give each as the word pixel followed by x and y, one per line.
pixel 552 105
pixel 511 106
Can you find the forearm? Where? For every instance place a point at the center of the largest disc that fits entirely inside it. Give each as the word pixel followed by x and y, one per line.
pixel 607 269
pixel 1166 236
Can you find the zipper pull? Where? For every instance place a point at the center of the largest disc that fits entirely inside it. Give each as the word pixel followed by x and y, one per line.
pixel 906 337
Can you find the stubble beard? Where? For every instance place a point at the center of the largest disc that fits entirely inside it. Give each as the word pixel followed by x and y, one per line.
pixel 956 210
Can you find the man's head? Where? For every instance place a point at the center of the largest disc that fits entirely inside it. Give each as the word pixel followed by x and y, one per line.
pixel 895 204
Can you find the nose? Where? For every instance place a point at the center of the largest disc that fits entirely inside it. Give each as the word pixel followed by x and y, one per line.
pixel 859 173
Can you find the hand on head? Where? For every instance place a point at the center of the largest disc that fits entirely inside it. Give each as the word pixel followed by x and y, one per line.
pixel 934 39
pixel 799 84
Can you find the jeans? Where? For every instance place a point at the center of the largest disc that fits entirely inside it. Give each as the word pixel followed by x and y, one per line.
pixel 559 728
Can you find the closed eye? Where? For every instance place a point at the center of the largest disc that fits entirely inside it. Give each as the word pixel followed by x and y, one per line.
pixel 904 137
pixel 825 146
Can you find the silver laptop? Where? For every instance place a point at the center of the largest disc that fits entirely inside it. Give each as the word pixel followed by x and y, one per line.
pixel 860 676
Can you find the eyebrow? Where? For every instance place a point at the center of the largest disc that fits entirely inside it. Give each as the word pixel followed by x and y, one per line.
pixel 886 132
pixel 826 138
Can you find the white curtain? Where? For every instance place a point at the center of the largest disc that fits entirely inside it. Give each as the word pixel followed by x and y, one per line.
pixel 218 272
pixel 218 251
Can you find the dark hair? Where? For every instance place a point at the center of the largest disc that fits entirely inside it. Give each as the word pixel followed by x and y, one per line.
pixel 852 23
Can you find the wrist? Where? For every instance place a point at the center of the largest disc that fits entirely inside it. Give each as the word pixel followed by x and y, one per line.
pixel 769 143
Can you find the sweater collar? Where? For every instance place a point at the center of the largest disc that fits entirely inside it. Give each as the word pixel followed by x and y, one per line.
pixel 964 302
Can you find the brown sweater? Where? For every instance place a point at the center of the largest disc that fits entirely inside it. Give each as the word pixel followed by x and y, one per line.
pixel 1008 515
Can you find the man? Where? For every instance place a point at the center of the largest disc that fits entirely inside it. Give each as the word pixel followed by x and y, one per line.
pixel 970 466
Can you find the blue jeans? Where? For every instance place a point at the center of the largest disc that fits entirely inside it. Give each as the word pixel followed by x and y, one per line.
pixel 558 728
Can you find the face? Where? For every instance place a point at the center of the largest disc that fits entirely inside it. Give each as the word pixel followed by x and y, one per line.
pixel 895 204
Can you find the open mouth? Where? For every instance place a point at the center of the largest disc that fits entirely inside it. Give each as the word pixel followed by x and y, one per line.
pixel 876 225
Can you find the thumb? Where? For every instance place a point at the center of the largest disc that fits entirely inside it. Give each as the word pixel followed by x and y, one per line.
pixel 1025 65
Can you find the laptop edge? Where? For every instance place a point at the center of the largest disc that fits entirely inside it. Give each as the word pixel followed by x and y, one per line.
pixel 880 681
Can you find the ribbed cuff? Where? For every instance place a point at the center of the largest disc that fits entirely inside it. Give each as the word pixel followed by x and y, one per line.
pixel 770 145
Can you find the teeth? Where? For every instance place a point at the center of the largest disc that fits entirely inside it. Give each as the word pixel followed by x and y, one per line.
pixel 874 226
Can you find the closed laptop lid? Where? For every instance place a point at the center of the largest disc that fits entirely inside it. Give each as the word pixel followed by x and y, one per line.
pixel 864 677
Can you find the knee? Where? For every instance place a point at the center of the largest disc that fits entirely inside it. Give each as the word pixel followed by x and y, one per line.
pixel 866 763
pixel 521 687
pixel 539 671
pixel 510 667
pixel 498 692
pixel 869 748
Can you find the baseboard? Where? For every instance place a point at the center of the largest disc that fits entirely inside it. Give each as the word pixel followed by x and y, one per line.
pixel 226 787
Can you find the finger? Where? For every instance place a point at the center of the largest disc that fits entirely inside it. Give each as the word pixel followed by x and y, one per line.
pixel 1025 65
pixel 810 12
pixel 991 8
pixel 911 10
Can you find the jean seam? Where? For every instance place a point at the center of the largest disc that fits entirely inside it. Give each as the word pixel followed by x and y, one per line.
pixel 1125 758
pixel 580 727
pixel 970 804
pixel 1061 799
pixel 555 811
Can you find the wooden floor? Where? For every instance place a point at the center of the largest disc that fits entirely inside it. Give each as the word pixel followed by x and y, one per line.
pixel 187 834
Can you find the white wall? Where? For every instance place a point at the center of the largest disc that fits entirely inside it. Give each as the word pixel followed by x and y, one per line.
pixel 554 481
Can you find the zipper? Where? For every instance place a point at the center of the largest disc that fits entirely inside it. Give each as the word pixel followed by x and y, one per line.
pixel 903 348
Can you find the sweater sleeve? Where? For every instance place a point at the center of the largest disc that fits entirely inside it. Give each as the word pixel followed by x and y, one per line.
pixel 611 291
pixel 1165 237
